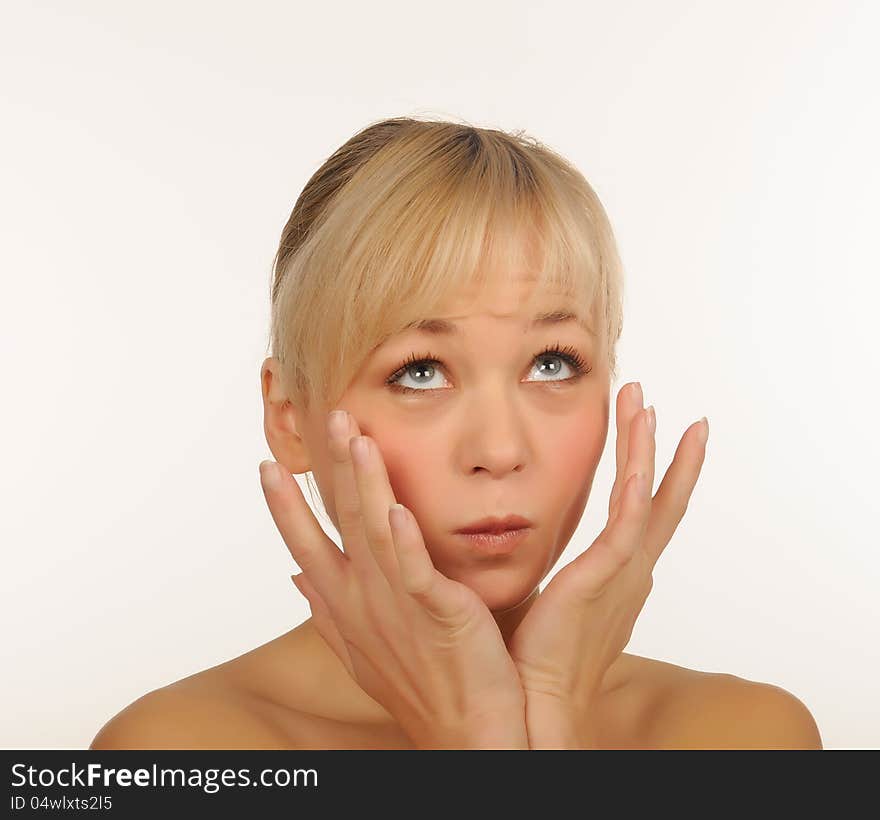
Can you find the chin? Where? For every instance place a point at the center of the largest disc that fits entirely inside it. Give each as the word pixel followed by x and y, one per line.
pixel 502 588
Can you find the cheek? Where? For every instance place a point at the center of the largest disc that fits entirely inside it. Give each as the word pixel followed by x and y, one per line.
pixel 570 479
pixel 409 466
pixel 575 452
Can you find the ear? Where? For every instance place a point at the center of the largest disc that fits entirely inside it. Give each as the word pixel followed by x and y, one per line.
pixel 280 421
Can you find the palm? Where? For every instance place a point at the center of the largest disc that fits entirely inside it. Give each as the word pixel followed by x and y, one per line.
pixel 537 638
pixel 565 631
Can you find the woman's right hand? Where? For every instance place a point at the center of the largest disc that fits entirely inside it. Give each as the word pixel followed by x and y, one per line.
pixel 422 645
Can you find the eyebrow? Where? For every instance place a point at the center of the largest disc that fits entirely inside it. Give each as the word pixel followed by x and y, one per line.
pixel 446 327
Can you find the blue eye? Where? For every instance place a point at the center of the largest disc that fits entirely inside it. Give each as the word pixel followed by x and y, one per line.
pixel 425 364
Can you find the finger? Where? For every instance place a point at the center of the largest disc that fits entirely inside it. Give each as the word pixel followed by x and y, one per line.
pixel 347 497
pixel 376 496
pixel 618 542
pixel 630 401
pixel 417 574
pixel 306 541
pixel 640 452
pixel 323 619
pixel 671 501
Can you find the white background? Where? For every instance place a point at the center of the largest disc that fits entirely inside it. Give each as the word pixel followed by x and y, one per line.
pixel 151 153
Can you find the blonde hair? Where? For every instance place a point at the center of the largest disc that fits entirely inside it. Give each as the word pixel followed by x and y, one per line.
pixel 409 211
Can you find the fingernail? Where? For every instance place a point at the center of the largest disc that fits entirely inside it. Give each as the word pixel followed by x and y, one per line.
pixel 652 419
pixel 703 435
pixel 338 424
pixel 359 449
pixel 637 396
pixel 397 516
pixel 270 474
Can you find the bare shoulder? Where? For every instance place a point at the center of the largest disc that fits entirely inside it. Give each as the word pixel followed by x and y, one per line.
pixel 709 710
pixel 194 713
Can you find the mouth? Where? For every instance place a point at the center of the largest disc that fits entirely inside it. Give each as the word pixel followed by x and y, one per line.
pixel 495 526
pixel 495 543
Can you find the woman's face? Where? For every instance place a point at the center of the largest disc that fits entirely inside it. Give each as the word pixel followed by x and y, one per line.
pixel 493 429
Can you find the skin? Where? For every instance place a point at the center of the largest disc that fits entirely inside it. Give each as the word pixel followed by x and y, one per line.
pixel 495 437
pixel 493 442
pixel 487 439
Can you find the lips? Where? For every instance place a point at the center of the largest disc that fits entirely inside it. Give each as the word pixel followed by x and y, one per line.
pixel 496 525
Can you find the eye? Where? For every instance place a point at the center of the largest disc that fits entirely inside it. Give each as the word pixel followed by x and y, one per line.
pixel 422 368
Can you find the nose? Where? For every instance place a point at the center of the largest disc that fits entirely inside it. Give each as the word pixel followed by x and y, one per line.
pixel 497 442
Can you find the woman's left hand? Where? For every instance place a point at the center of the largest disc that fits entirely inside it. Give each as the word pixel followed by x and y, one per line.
pixel 583 619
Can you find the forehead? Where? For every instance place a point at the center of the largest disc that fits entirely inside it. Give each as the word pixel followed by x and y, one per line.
pixel 513 298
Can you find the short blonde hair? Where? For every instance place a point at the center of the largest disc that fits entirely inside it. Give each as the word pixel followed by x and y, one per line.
pixel 409 211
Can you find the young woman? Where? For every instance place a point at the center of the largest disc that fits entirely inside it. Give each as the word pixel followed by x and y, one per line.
pixel 455 295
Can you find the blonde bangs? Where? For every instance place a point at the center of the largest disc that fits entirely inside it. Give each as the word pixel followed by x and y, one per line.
pixel 421 211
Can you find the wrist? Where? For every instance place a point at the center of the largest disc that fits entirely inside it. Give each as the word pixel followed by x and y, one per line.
pixel 506 736
pixel 553 724
pixel 504 731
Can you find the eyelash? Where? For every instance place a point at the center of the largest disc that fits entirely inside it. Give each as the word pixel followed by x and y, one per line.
pixel 568 354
